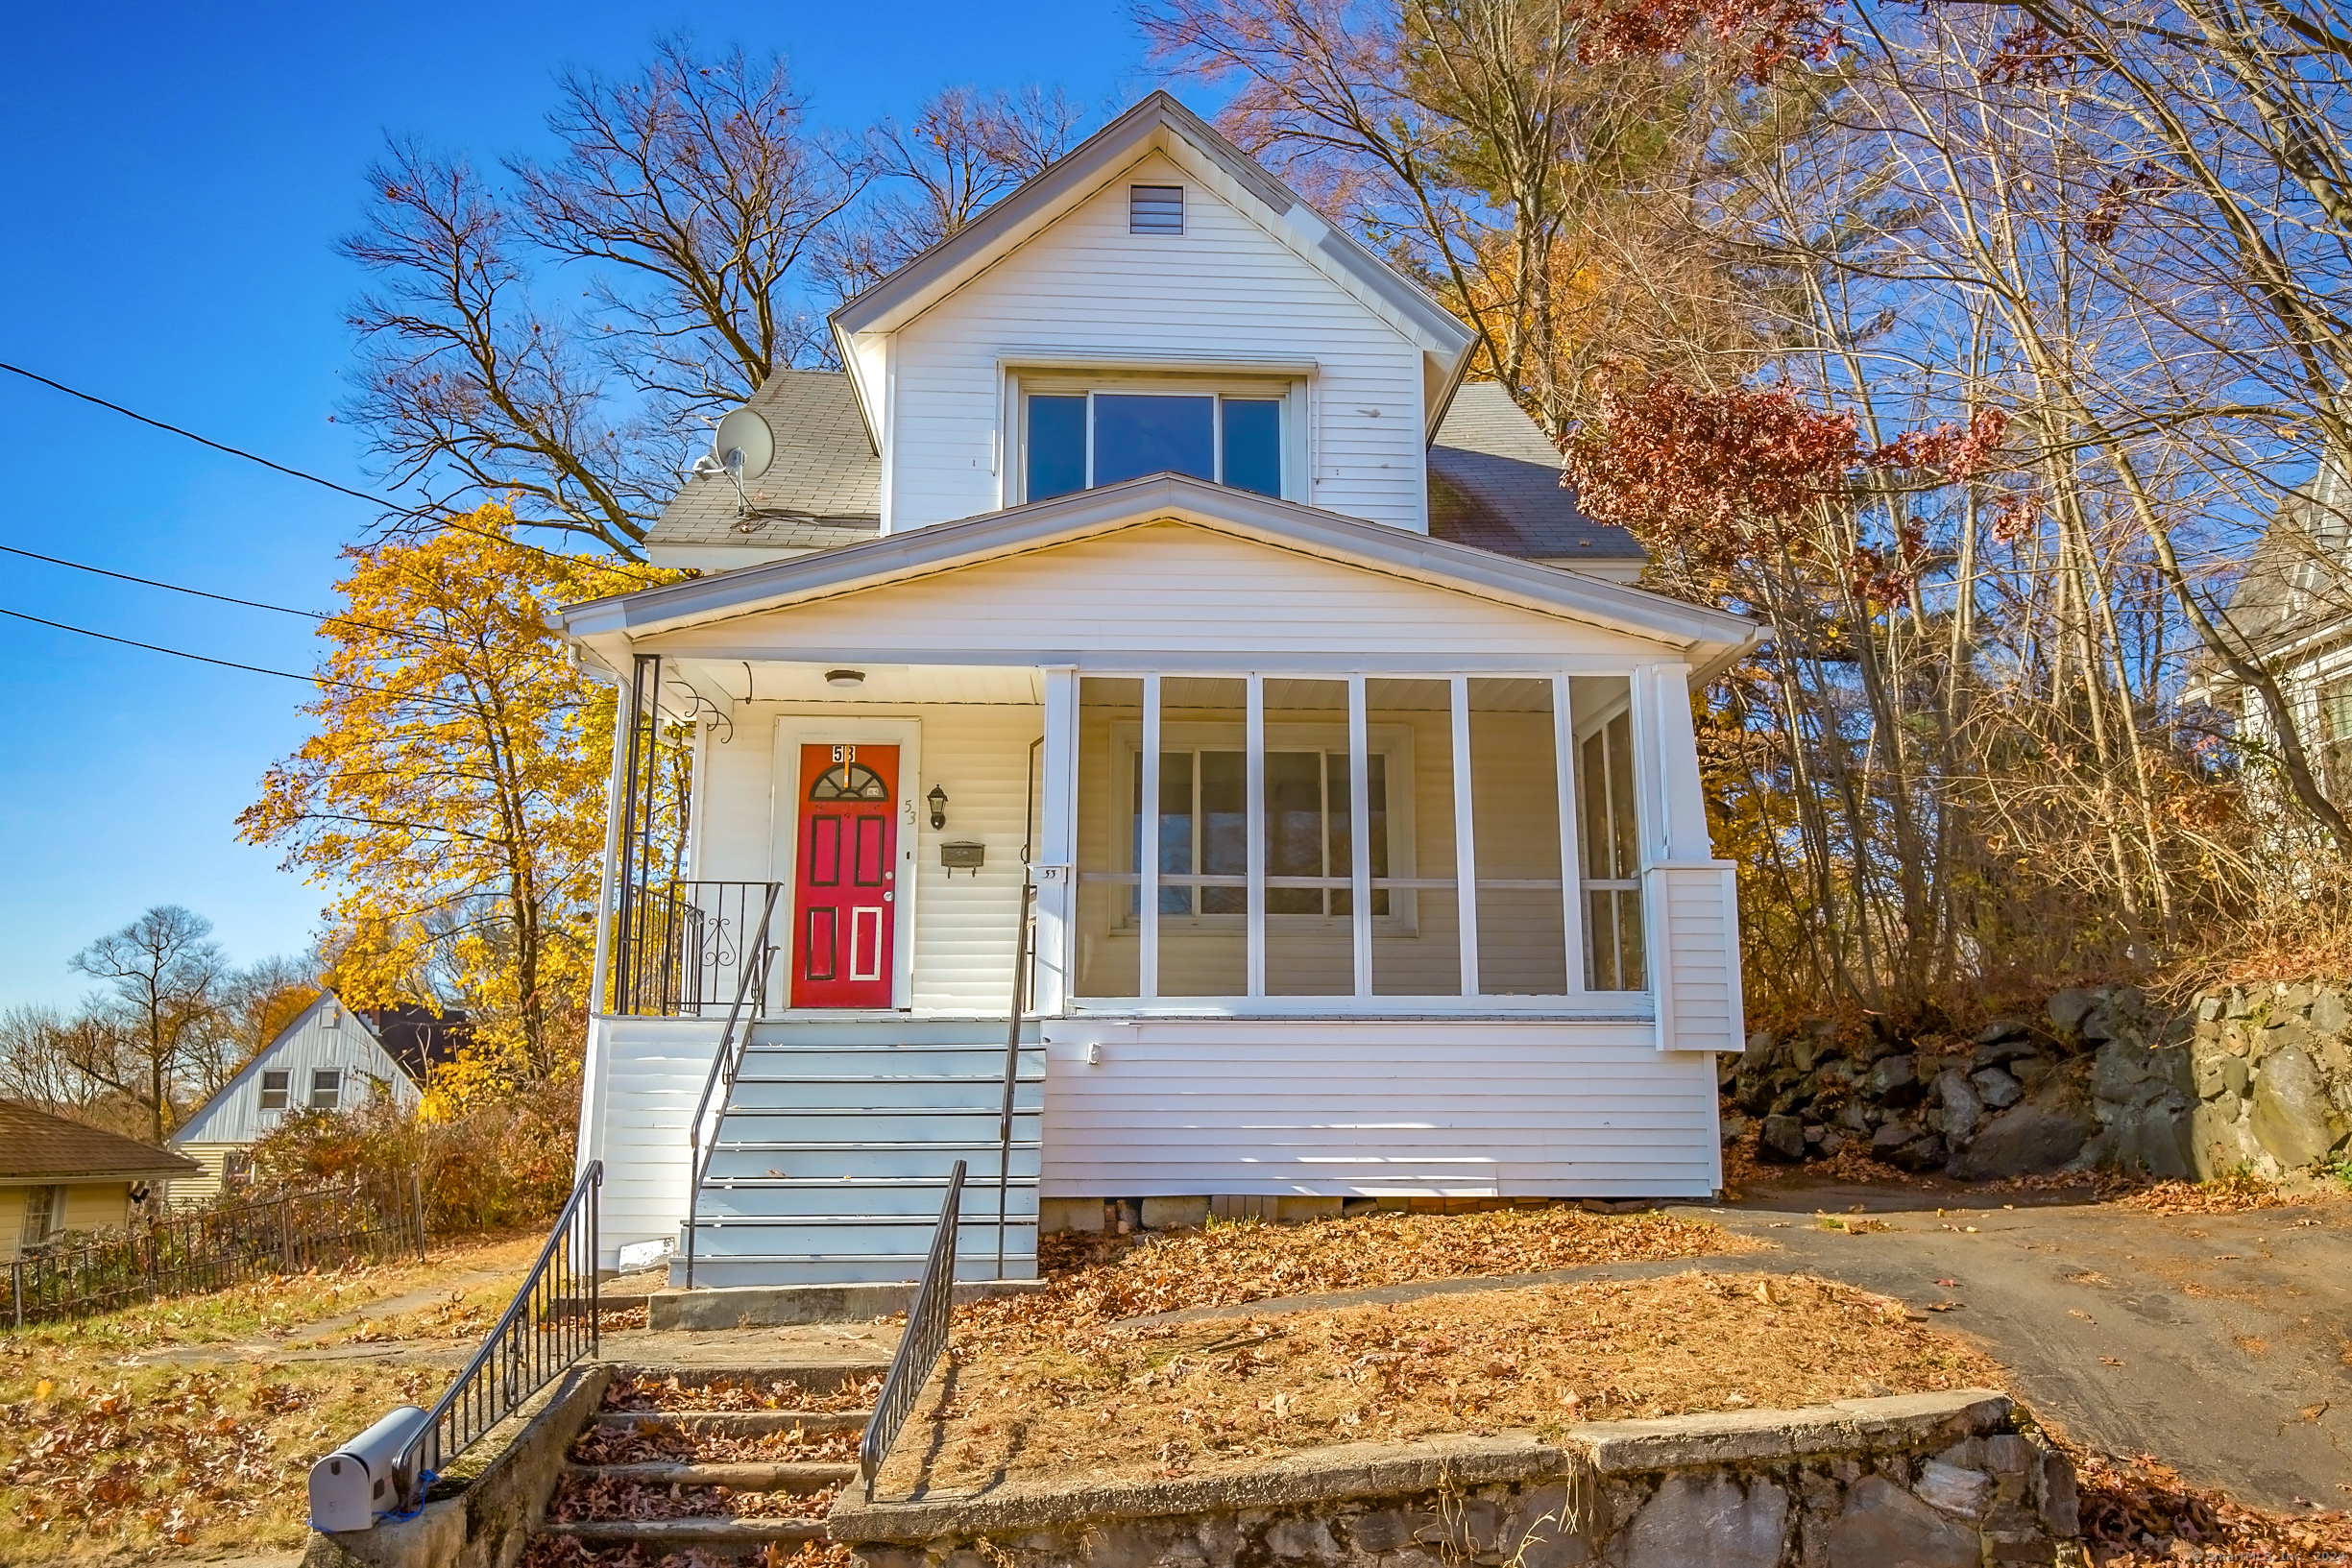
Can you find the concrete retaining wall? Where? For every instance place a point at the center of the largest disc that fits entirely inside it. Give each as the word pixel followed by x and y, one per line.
pixel 506 1486
pixel 1930 1481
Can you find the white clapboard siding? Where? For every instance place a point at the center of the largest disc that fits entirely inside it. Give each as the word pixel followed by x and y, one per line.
pixel 963 922
pixel 1165 587
pixel 646 1077
pixel 1375 1108
pixel 1695 911
pixel 1085 288
pixel 325 1036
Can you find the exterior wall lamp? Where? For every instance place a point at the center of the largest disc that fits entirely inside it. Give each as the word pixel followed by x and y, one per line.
pixel 938 806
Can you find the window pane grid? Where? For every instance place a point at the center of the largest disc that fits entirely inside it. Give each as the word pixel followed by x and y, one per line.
pixel 1370 836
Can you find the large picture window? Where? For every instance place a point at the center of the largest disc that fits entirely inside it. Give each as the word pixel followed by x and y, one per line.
pixel 1079 438
pixel 1271 836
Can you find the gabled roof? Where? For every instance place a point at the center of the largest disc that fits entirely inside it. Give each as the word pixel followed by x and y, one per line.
pixel 1709 639
pixel 1494 483
pixel 1159 122
pixel 2297 587
pixel 36 1146
pixel 366 1023
pixel 823 488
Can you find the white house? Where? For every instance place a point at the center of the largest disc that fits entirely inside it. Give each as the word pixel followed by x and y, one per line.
pixel 327 1058
pixel 1149 552
pixel 2292 609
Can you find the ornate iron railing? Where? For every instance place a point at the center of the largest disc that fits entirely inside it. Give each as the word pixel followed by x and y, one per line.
pixel 681 948
pixel 920 1347
pixel 552 1323
pixel 214 1248
pixel 724 1066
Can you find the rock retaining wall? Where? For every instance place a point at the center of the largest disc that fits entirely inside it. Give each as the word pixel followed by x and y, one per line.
pixel 1930 1481
pixel 2257 1077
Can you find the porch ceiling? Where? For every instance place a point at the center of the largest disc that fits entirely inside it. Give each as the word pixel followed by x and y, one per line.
pixel 804 683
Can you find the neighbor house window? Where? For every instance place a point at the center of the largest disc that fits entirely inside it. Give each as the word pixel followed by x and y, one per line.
pixel 1156 209
pixel 1296 836
pixel 2335 740
pixel 1077 440
pixel 326 1088
pixel 273 1090
pixel 44 1214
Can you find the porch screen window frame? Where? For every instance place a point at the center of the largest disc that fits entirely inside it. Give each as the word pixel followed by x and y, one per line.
pixel 1140 782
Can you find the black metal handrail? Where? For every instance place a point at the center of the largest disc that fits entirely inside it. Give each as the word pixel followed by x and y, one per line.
pixel 1012 1063
pixel 724 1065
pixel 680 948
pixel 552 1323
pixel 920 1347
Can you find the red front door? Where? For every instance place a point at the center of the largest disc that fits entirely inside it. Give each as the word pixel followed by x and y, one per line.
pixel 844 893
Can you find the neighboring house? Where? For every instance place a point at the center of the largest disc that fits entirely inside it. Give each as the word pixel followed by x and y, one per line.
pixel 1150 548
pixel 58 1175
pixel 2293 608
pixel 329 1058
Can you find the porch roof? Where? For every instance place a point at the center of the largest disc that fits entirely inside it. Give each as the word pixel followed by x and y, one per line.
pixel 1708 639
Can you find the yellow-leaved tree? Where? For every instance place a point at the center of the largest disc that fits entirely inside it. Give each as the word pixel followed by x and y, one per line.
pixel 452 793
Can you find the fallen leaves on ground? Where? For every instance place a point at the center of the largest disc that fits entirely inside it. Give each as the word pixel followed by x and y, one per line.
pixel 1092 1279
pixel 1160 1399
pixel 567 1551
pixel 2138 1512
pixel 2235 1193
pixel 663 1442
pixel 643 1393
pixel 580 1498
pixel 152 1461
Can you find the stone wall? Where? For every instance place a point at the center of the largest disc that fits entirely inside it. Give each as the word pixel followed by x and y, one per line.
pixel 2259 1077
pixel 1933 1480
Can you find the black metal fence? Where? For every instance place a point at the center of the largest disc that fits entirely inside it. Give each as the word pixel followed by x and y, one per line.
pixel 920 1347
pixel 552 1323
pixel 681 948
pixel 214 1248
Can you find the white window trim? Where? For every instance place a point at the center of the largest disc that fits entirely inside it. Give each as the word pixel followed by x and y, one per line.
pixel 1287 381
pixel 1577 1001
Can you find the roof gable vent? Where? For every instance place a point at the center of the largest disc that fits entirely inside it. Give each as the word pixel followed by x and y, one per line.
pixel 1156 209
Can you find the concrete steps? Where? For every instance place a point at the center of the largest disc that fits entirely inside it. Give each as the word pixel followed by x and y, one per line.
pixel 831 1156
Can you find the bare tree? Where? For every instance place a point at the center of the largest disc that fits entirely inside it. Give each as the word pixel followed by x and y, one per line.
pixel 691 194
pixel 156 1029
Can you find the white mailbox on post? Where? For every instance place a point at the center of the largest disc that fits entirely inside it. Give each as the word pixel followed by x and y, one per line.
pixel 360 1479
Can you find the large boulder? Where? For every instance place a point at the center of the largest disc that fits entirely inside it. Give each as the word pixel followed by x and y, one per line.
pixel 2294 1119
pixel 1997 1089
pixel 1962 1108
pixel 1784 1139
pixel 2068 1008
pixel 1894 1080
pixel 2039 1134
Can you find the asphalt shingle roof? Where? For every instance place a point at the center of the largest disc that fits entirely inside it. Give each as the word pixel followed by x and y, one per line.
pixel 1494 483
pixel 823 488
pixel 2295 585
pixel 33 1143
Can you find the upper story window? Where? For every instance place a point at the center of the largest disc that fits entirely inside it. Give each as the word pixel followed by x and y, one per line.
pixel 1156 209
pixel 1081 438
pixel 273 1090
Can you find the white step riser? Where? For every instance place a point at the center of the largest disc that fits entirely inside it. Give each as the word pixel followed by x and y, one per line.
pixel 915 1061
pixel 917 1201
pixel 880 1097
pixel 868 1033
pixel 1019 1264
pixel 790 1129
pixel 929 1165
pixel 813 1246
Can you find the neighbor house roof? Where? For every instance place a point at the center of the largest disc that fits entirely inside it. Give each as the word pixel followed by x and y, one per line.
pixel 1494 483
pixel 823 488
pixel 2298 586
pixel 1711 637
pixel 38 1147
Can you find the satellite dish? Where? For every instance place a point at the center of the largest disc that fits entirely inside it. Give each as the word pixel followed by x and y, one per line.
pixel 744 444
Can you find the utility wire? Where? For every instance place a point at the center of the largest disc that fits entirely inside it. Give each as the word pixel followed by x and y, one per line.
pixel 200 594
pixel 295 473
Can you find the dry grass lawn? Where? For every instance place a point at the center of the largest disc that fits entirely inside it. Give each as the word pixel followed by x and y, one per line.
pixel 1152 1400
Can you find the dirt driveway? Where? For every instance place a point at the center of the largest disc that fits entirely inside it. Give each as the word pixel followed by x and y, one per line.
pixel 2221 1343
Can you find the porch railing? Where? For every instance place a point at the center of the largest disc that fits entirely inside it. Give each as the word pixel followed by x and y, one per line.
pixel 920 1347
pixel 683 948
pixel 751 981
pixel 552 1322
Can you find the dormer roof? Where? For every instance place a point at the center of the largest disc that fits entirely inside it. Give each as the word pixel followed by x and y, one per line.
pixel 1158 124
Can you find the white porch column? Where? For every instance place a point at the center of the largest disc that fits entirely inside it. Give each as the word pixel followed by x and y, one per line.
pixel 1056 868
pixel 588 1146
pixel 1690 905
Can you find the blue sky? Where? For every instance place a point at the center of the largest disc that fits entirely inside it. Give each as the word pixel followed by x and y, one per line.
pixel 171 178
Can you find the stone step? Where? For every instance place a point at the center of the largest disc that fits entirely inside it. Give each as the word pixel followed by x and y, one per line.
pixel 674 1535
pixel 742 1475
pixel 783 1198
pixel 736 1423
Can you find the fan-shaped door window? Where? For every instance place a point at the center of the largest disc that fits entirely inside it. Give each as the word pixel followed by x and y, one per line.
pixel 849 781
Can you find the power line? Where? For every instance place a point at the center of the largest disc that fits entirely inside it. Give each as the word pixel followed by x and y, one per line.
pixel 200 594
pixel 295 473
pixel 224 663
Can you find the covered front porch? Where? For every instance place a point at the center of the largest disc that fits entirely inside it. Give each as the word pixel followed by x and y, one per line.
pixel 1410 900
